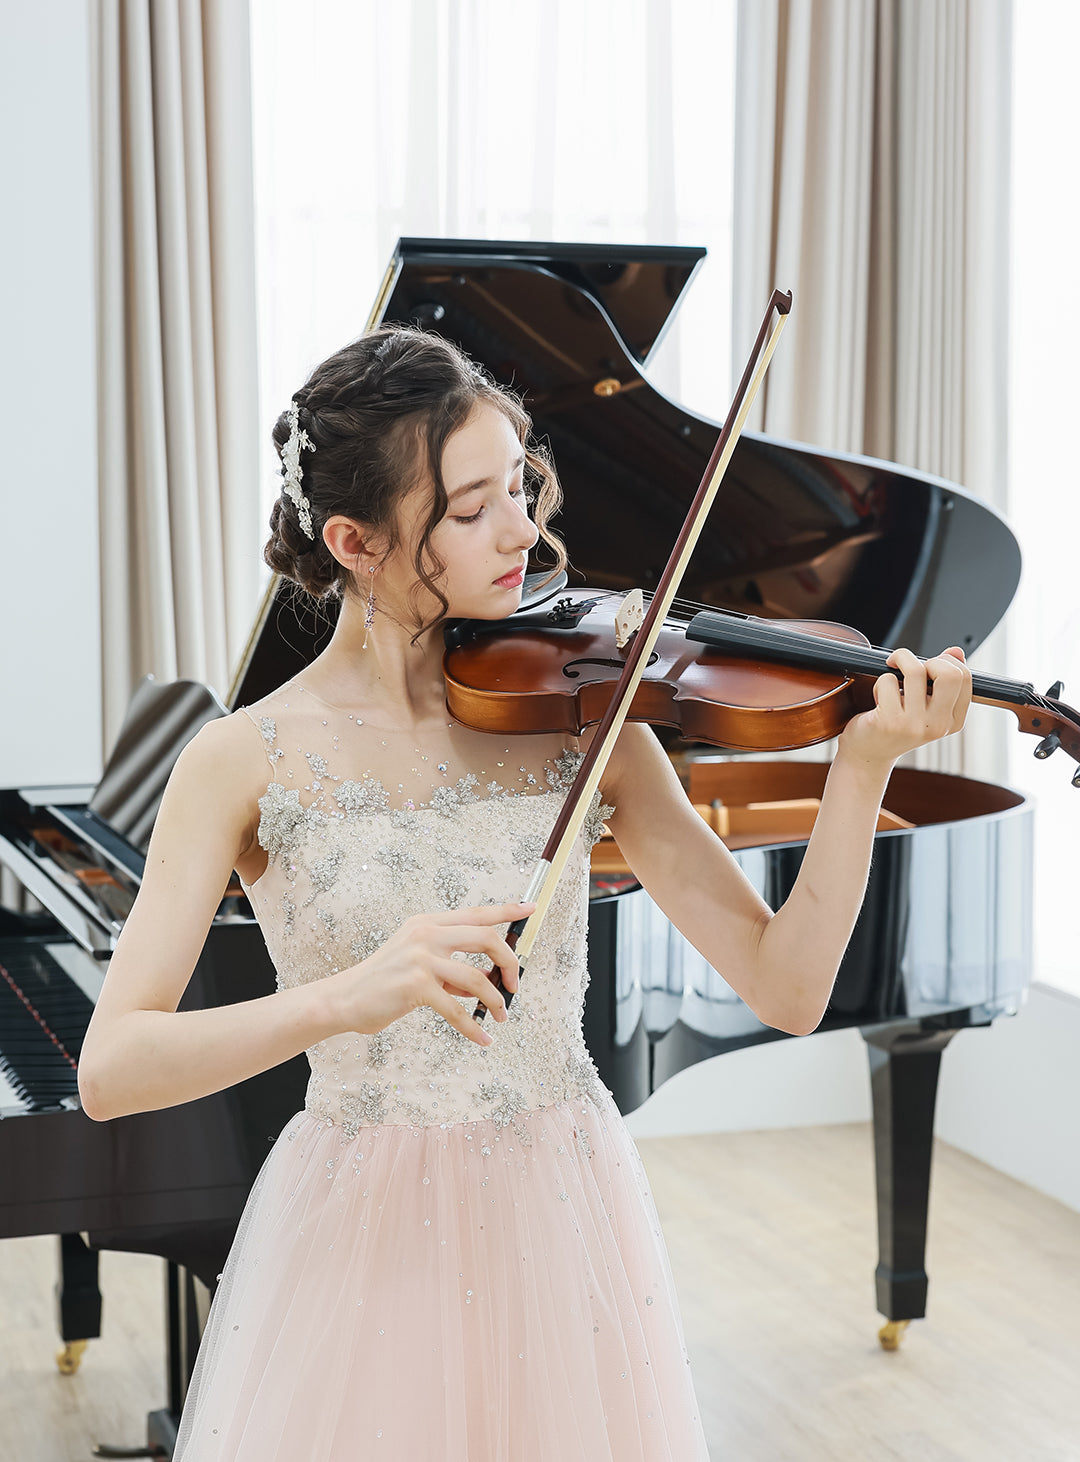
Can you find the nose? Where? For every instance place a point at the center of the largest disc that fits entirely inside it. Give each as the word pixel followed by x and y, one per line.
pixel 521 533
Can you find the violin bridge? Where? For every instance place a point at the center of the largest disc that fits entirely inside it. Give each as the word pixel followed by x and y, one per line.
pixel 629 618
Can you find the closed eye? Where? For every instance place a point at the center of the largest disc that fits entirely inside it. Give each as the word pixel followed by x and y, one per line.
pixel 519 492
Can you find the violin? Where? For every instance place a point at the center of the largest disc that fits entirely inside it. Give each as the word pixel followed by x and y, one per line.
pixel 727 679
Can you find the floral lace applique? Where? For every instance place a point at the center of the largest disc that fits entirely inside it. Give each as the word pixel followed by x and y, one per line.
pixel 447 800
pixel 364 797
pixel 268 727
pixel 347 869
pixel 398 859
pixel 283 818
pixel 562 779
pixel 451 885
pixel 324 871
pixel 592 829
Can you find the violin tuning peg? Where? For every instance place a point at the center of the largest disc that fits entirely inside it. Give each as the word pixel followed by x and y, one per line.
pixel 1054 693
pixel 1047 746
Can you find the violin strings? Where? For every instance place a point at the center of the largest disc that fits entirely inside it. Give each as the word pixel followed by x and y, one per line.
pixel 761 635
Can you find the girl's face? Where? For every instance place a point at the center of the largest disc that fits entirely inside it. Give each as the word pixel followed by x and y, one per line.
pixel 486 534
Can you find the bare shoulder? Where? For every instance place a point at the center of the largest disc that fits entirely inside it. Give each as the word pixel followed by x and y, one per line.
pixel 233 735
pixel 224 767
pixel 229 744
pixel 207 820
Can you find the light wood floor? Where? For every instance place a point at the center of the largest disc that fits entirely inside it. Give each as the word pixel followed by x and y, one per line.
pixel 771 1236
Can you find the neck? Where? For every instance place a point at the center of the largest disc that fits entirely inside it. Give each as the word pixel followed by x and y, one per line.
pixel 394 681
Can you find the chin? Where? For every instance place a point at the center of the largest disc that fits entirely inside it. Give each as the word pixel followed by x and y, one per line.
pixel 489 613
pixel 498 604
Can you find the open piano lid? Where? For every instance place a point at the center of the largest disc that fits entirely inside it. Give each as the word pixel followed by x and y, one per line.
pixel 118 820
pixel 796 533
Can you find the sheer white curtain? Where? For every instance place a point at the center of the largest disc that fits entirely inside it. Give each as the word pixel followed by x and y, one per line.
pixel 872 178
pixel 1044 494
pixel 545 119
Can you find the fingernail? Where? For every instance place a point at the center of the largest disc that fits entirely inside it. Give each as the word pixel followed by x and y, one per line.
pixel 486 1037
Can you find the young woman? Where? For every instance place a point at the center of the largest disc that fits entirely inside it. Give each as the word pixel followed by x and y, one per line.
pixel 452 1252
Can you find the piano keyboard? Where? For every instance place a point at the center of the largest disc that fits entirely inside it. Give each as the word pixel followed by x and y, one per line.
pixel 44 1013
pixel 10 1105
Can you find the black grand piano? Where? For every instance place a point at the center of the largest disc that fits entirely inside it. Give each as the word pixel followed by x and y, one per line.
pixel 944 938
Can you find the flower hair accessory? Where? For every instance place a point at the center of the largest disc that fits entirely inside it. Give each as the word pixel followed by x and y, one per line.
pixel 292 471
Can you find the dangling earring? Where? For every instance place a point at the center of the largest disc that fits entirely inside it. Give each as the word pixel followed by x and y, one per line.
pixel 369 617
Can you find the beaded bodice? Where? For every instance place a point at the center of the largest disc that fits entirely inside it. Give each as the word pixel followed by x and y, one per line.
pixel 363 828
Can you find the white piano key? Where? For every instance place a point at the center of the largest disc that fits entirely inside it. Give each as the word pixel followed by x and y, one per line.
pixel 11 1104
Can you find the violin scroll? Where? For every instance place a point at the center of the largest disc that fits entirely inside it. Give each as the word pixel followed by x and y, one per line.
pixel 1057 723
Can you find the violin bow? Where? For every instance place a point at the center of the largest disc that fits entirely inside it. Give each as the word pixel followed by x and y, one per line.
pixel 522 934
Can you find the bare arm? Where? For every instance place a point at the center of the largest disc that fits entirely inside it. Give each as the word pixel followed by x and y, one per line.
pixel 140 1052
pixel 782 964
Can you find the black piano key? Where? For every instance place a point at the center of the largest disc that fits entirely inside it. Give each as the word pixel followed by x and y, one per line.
pixel 43 1020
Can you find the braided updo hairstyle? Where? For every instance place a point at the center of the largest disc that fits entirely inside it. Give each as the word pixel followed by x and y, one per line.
pixel 378 412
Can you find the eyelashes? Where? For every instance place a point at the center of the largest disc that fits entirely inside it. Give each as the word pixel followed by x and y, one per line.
pixel 522 492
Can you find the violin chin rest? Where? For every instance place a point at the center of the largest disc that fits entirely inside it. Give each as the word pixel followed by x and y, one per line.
pixel 534 591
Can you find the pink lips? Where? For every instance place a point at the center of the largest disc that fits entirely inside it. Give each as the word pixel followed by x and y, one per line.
pixel 511 581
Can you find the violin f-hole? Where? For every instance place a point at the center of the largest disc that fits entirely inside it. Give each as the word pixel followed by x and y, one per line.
pixel 571 671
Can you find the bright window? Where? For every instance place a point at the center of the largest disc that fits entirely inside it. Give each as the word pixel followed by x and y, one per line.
pixel 545 119
pixel 1043 625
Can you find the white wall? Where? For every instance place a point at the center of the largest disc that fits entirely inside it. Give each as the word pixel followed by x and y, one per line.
pixel 807 1081
pixel 1009 1093
pixel 49 595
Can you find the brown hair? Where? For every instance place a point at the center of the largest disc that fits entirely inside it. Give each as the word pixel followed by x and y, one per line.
pixel 373 411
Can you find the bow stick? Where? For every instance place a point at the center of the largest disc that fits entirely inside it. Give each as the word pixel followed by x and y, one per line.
pixel 522 934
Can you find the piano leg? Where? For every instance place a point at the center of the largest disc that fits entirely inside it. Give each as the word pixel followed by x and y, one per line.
pixel 78 1301
pixel 187 1308
pixel 904 1064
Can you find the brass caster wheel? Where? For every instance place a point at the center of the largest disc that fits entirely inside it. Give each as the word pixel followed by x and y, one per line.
pixel 891 1333
pixel 69 1358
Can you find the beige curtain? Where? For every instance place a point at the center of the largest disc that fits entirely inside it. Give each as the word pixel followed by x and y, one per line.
pixel 178 421
pixel 872 178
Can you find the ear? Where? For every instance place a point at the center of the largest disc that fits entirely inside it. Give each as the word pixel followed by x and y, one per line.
pixel 355 545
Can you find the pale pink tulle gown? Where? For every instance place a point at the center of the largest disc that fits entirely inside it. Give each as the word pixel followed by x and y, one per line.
pixel 452 1253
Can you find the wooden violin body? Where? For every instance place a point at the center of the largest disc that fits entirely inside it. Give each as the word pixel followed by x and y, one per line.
pixel 723 679
pixel 558 673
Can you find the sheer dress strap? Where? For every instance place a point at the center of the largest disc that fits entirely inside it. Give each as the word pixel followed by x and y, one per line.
pixel 266 726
